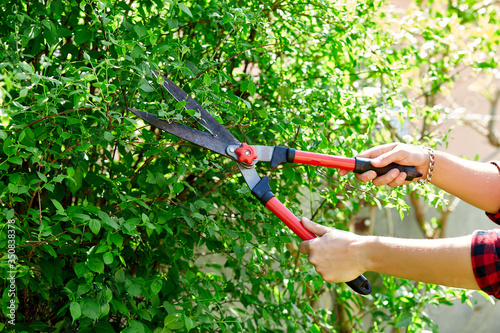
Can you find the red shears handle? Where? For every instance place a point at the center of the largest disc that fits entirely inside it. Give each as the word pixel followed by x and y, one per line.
pixel 360 285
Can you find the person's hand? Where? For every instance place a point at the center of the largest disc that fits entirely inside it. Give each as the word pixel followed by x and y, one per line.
pixel 334 253
pixel 393 152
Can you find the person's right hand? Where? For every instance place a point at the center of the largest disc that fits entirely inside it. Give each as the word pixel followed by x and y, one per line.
pixel 399 153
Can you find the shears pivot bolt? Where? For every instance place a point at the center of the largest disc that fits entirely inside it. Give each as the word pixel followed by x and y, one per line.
pixel 246 154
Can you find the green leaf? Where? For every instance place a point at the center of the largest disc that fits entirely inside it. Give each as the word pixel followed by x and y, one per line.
pixel 80 269
pixel 48 270
pixel 82 36
pixel 108 220
pixel 156 286
pixel 74 181
pixel 108 258
pixel 188 322
pixel 178 187
pixel 145 86
pixel 185 9
pixel 243 190
pixel 193 113
pixel 206 79
pixel 134 326
pixel 59 178
pixel 174 321
pixel 133 287
pixel 42 176
pixel 26 67
pixel 239 251
pixel 189 221
pixel 180 105
pixel 23 92
pixel 59 207
pixel 15 160
pixel 120 306
pixel 117 239
pixel 91 309
pixel 151 179
pixel 95 264
pixel 75 310
pixel 120 276
pixel 172 23
pixel 404 319
pixel 95 226
pixel 7 147
pixel 251 88
pixel 10 214
pixel 108 136
pixel 244 86
pixel 140 31
pixel 13 188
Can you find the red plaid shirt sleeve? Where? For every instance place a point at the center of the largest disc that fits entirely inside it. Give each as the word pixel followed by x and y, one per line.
pixel 485 252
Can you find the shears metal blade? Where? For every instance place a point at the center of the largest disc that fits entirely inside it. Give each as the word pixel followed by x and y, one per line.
pixel 205 119
pixel 187 133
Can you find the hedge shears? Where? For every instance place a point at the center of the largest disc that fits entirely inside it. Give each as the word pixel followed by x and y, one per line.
pixel 219 140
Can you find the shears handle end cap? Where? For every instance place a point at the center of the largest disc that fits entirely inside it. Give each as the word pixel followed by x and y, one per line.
pixel 360 285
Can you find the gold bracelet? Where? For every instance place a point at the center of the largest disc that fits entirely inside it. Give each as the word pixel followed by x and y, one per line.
pixel 432 160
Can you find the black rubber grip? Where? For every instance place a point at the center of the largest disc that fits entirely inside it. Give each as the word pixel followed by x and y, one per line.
pixel 360 285
pixel 364 164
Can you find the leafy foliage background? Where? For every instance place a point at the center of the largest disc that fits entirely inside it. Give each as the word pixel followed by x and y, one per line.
pixel 116 225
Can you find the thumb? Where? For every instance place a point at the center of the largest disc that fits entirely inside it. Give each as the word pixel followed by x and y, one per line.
pixel 394 155
pixel 343 172
pixel 383 160
pixel 313 227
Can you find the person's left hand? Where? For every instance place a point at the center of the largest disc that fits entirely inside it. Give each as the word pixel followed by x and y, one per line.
pixel 334 254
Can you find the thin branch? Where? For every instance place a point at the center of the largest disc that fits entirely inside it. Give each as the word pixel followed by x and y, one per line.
pixel 226 176
pixel 492 135
pixel 228 59
pixel 148 160
pixel 443 220
pixel 40 207
pixel 221 42
pixel 53 115
pixel 317 210
pixel 295 137
pixel 420 216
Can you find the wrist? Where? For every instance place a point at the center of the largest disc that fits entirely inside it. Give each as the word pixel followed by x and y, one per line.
pixel 365 251
pixel 428 168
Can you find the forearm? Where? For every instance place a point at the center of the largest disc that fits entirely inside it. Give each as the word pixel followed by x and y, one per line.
pixel 439 261
pixel 474 182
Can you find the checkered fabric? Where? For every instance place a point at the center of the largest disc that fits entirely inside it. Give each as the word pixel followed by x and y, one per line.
pixel 485 251
pixel 485 262
pixel 494 217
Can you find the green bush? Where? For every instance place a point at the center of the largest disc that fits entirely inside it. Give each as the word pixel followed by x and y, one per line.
pixel 119 228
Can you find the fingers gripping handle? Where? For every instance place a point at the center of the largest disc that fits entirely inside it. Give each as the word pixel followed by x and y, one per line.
pixel 364 164
pixel 360 285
